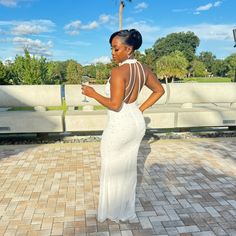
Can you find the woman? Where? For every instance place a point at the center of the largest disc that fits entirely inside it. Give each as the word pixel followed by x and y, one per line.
pixel 125 128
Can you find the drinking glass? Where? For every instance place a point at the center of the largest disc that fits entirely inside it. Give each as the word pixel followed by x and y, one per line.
pixel 85 81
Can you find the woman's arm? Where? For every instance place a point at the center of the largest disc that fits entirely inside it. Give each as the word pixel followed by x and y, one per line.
pixel 157 91
pixel 117 85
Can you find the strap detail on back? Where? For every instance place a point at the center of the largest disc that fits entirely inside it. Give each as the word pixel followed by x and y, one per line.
pixel 133 71
pixel 130 79
pixel 144 76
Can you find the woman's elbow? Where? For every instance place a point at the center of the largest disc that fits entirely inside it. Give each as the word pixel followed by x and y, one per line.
pixel 162 91
pixel 116 107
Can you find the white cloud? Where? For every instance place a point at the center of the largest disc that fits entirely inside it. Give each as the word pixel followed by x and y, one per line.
pixel 104 18
pixel 2 31
pixel 74 27
pixel 149 32
pixel 8 3
pixel 33 27
pixel 141 6
pixel 102 59
pixel 207 31
pixel 207 7
pixel 12 3
pixel 90 26
pixel 35 47
pixel 27 27
pixel 77 43
pixel 180 10
pixel 217 3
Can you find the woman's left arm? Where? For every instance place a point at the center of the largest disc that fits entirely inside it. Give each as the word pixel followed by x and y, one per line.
pixel 117 85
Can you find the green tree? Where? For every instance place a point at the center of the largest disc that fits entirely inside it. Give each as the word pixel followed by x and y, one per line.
pixel 30 70
pixel 150 59
pixel 56 72
pixel 220 68
pixel 3 74
pixel 231 61
pixel 198 69
pixel 73 72
pixel 90 71
pixel 186 43
pixel 208 59
pixel 139 56
pixel 102 73
pixel 172 66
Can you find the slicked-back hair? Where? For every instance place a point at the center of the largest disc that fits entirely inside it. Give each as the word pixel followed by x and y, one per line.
pixel 131 38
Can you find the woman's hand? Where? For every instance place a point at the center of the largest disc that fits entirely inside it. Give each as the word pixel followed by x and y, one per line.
pixel 88 90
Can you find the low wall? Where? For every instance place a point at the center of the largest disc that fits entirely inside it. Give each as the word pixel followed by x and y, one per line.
pixel 184 105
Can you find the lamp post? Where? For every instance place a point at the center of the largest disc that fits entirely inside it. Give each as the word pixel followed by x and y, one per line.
pixel 234 33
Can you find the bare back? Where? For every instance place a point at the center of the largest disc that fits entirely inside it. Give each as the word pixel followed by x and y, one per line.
pixel 135 79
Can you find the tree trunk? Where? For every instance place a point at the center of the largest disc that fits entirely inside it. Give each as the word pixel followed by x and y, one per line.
pixel 120 14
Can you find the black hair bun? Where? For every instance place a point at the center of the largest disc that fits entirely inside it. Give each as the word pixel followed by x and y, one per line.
pixel 130 37
pixel 135 39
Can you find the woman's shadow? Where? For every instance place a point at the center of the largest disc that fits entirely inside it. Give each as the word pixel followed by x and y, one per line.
pixel 144 151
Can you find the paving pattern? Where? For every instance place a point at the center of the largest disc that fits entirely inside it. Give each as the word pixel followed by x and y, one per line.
pixel 185 187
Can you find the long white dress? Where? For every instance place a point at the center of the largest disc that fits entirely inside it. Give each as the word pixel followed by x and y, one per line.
pixel 119 149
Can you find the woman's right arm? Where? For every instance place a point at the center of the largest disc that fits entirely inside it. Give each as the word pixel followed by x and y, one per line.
pixel 157 90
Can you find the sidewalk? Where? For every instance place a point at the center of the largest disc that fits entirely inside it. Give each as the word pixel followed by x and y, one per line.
pixel 185 187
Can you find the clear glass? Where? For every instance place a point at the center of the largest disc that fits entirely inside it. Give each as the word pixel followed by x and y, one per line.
pixel 85 81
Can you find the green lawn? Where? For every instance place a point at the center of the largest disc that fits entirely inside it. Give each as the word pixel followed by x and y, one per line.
pixel 207 79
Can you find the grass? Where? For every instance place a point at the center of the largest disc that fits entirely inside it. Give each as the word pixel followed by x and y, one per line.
pixel 207 79
pixel 21 109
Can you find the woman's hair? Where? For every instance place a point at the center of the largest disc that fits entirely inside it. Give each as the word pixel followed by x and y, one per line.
pixel 129 37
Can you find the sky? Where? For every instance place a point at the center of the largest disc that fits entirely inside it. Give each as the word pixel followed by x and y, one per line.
pixel 74 29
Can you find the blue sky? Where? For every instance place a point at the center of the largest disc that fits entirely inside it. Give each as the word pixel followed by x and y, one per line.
pixel 79 30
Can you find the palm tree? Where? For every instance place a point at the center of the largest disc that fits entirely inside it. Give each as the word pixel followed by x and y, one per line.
pixel 122 5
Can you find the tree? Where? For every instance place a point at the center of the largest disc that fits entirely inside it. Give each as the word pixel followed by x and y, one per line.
pixel 231 61
pixel 102 73
pixel 172 66
pixel 73 72
pixel 30 70
pixel 198 69
pixel 183 42
pixel 220 68
pixel 56 72
pixel 3 74
pixel 121 8
pixel 208 59
pixel 150 59
pixel 186 43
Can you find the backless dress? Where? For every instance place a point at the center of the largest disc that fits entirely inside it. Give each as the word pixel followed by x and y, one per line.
pixel 120 143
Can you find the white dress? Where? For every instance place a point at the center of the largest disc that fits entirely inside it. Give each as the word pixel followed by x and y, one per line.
pixel 119 149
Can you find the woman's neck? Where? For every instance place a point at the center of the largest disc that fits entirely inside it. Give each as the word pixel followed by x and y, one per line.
pixel 128 60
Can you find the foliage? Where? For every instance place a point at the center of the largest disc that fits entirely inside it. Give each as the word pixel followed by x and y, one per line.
pixel 198 69
pixel 172 66
pixel 183 42
pixel 220 68
pixel 73 72
pixel 102 73
pixel 173 56
pixel 3 73
pixel 231 61
pixel 208 59
pixel 30 70
pixel 56 72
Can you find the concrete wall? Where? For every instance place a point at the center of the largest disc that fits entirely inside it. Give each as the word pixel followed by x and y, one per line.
pixel 183 105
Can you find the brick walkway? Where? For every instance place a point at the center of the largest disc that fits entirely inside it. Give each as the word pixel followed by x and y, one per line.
pixel 185 187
